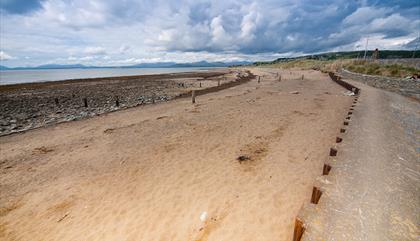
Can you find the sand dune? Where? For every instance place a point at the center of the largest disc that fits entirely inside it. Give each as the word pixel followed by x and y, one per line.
pixel 148 173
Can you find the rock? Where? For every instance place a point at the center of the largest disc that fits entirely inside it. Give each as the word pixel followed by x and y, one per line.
pixel 295 92
pixel 243 158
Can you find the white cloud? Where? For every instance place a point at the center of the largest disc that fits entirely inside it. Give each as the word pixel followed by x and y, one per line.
pixel 123 49
pixel 4 56
pixel 95 51
pixel 107 31
pixel 365 15
pixel 219 35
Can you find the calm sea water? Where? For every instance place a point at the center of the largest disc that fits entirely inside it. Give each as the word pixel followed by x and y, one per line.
pixel 40 75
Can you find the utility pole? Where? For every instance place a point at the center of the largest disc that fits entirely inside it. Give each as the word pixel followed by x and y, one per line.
pixel 367 41
pixel 417 45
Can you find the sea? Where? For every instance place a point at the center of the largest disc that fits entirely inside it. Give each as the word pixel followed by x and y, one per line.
pixel 41 75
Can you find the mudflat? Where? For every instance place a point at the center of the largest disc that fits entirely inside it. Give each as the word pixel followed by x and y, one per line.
pixel 237 165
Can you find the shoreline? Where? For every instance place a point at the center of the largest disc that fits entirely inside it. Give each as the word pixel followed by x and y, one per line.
pixel 28 76
pixel 33 105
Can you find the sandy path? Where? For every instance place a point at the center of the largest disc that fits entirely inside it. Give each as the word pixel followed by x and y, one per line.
pixel 148 173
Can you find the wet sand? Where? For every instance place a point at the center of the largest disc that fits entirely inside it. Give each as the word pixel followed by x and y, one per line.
pixel 149 172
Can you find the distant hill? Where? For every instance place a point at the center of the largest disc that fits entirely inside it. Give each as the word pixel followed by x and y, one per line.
pixel 384 54
pixel 143 65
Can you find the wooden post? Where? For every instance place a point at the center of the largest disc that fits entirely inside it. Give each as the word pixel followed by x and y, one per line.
pixel 316 195
pixel 85 102
pixel 200 84
pixel 259 79
pixel 117 101
pixel 333 152
pixel 153 97
pixel 193 96
pixel 303 76
pixel 326 169
pixel 299 229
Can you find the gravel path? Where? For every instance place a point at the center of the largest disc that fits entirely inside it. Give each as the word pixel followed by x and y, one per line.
pixel 372 190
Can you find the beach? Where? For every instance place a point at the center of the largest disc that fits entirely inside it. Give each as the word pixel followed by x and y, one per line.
pixel 236 165
pixel 31 105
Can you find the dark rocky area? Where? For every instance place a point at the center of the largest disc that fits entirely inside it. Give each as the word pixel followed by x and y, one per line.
pixel 28 106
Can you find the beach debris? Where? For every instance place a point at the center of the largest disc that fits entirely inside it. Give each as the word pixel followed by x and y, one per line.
pixel 295 92
pixel 203 216
pixel 243 158
pixel 41 150
pixel 63 217
pixel 348 93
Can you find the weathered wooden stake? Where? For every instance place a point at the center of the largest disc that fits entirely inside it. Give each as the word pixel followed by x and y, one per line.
pixel 303 76
pixel 326 169
pixel 193 96
pixel 333 152
pixel 299 229
pixel 85 102
pixel 316 195
pixel 259 79
pixel 153 98
pixel 200 84
pixel 117 101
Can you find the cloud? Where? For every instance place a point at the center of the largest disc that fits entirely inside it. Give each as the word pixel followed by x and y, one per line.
pixel 144 30
pixel 123 49
pixel 365 15
pixel 4 56
pixel 95 51
pixel 412 44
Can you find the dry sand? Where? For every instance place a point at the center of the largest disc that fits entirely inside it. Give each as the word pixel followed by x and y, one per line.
pixel 149 172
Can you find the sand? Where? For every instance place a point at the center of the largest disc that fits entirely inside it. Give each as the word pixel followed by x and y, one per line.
pixel 149 173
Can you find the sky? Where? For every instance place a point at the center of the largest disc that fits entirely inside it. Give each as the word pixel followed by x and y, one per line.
pixel 127 32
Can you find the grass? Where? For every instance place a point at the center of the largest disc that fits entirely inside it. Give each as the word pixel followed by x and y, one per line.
pixel 305 64
pixel 358 66
pixel 373 68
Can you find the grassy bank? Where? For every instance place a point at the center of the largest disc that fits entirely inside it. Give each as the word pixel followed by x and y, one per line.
pixel 373 68
pixel 358 66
